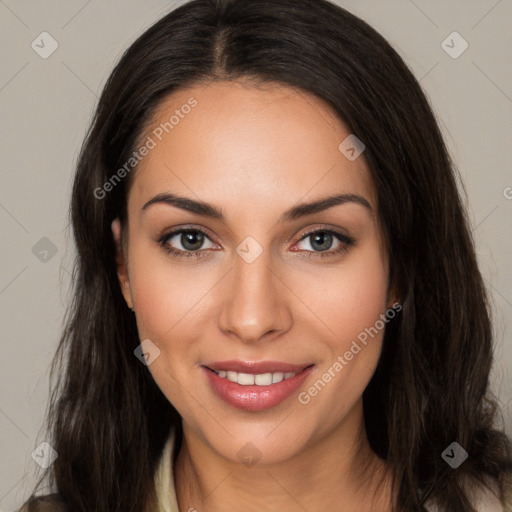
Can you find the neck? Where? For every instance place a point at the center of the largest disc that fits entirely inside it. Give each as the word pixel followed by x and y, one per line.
pixel 340 472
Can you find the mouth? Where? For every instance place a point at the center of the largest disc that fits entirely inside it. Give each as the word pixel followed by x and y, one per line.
pixel 255 386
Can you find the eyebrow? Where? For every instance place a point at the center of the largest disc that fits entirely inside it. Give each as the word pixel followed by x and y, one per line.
pixel 294 213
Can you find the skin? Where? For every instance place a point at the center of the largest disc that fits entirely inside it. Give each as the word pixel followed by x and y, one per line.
pixel 254 152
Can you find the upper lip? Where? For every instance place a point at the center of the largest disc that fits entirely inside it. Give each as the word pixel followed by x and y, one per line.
pixel 253 367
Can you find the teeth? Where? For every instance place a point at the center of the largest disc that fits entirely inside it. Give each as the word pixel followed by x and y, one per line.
pixel 263 379
pixel 277 377
pixel 249 379
pixel 245 379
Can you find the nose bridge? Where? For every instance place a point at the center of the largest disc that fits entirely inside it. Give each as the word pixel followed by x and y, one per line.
pixel 255 303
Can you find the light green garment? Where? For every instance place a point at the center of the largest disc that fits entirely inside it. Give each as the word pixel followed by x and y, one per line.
pixel 164 479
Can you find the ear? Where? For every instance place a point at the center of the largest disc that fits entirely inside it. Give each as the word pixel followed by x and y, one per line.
pixel 122 267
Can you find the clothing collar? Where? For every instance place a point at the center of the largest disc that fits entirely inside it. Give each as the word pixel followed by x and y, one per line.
pixel 164 478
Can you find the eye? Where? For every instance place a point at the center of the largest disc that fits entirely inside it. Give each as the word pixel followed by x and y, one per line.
pixel 322 240
pixel 192 240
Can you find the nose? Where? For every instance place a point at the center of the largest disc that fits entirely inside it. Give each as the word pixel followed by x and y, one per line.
pixel 256 306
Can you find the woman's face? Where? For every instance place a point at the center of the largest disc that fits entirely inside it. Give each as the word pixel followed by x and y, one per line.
pixel 254 295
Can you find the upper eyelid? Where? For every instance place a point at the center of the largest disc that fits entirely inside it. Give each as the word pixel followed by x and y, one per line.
pixel 338 231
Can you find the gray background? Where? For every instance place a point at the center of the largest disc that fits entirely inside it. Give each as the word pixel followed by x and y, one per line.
pixel 46 105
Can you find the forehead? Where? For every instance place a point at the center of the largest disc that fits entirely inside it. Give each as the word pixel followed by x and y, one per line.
pixel 234 143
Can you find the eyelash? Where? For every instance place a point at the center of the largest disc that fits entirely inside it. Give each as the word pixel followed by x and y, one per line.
pixel 162 241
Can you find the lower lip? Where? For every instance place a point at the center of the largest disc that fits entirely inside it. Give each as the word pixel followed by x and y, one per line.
pixel 255 398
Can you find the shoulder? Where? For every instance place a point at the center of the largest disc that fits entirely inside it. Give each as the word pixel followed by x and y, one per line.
pixel 48 503
pixel 483 499
pixel 486 498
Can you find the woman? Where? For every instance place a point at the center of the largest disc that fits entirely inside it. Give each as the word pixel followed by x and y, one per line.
pixel 277 304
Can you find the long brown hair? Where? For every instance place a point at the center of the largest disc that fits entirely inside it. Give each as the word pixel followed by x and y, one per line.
pixel 107 418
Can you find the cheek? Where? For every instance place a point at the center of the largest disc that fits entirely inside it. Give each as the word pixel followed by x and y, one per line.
pixel 350 305
pixel 167 297
pixel 168 306
pixel 170 302
pixel 352 297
